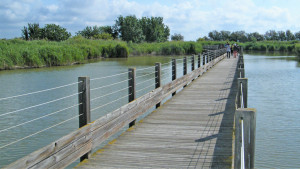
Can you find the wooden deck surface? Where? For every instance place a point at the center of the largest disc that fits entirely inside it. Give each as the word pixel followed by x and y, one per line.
pixel 191 130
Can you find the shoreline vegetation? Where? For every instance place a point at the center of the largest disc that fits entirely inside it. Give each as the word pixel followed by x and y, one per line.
pixel 17 53
pixel 52 45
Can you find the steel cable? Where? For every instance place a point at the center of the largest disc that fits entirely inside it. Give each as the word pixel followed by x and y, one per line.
pixel 39 118
pixel 144 75
pixel 109 94
pixel 38 105
pixel 109 85
pixel 146 81
pixel 109 103
pixel 40 91
pixel 109 76
pixel 38 132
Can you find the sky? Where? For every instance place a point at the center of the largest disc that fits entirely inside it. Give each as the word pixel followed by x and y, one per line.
pixel 190 18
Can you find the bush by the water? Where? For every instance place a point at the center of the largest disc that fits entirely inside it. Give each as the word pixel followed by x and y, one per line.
pixel 286 46
pixel 39 53
pixel 297 49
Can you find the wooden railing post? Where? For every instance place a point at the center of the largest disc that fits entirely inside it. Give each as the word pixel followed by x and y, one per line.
pixel 249 120
pixel 203 58
pixel 174 71
pixel 199 60
pixel 241 73
pixel 207 53
pixel 157 78
pixel 131 88
pixel 184 67
pixel 193 63
pixel 84 105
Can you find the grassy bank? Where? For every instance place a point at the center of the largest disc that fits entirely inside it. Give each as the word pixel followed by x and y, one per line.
pixel 287 46
pixel 39 53
pixel 165 48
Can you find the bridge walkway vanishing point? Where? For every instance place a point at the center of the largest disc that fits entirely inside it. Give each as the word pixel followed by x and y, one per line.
pixel 194 129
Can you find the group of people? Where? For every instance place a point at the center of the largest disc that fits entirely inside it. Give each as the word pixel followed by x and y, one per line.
pixel 232 49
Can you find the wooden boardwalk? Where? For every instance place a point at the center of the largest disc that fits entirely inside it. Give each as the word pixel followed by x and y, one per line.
pixel 192 130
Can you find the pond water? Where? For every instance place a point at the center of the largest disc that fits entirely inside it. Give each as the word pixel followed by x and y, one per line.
pixel 274 90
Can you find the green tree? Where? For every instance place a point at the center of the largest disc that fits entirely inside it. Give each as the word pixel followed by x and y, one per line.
pixel 214 35
pixel 271 35
pixel 281 35
pixel 225 35
pixel 130 29
pixel 297 35
pixel 177 37
pixel 154 29
pixel 88 32
pixel 289 35
pixel 25 33
pixel 32 32
pixel 55 32
pixel 255 36
pixel 240 36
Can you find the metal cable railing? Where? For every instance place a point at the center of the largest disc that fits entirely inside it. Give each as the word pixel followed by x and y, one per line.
pixel 97 88
pixel 30 121
pixel 41 91
pixel 16 141
pixel 38 105
pixel 105 77
pixel 109 103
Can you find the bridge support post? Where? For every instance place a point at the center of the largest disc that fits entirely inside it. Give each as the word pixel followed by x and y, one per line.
pixel 157 78
pixel 248 116
pixel 207 56
pixel 131 88
pixel 199 60
pixel 84 105
pixel 203 58
pixel 193 63
pixel 184 67
pixel 174 72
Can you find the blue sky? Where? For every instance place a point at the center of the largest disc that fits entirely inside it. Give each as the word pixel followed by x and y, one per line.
pixel 191 18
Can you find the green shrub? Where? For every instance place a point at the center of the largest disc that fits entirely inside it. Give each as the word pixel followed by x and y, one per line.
pixel 297 49
pixel 282 48
pixel 263 47
pixel 271 48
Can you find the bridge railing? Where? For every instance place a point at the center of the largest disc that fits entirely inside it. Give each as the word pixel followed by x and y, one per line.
pixel 81 142
pixel 245 122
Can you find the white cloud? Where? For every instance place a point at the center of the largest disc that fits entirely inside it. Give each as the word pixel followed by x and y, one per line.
pixel 191 18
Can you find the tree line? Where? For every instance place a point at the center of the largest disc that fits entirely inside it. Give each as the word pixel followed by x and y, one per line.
pixel 242 36
pixel 129 28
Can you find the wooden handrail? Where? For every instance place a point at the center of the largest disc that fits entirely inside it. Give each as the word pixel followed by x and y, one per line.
pixel 248 115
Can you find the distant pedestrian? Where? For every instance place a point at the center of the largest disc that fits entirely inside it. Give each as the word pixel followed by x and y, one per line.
pixel 228 49
pixel 235 50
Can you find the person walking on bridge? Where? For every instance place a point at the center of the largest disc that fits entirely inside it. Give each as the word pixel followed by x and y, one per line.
pixel 235 50
pixel 227 46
